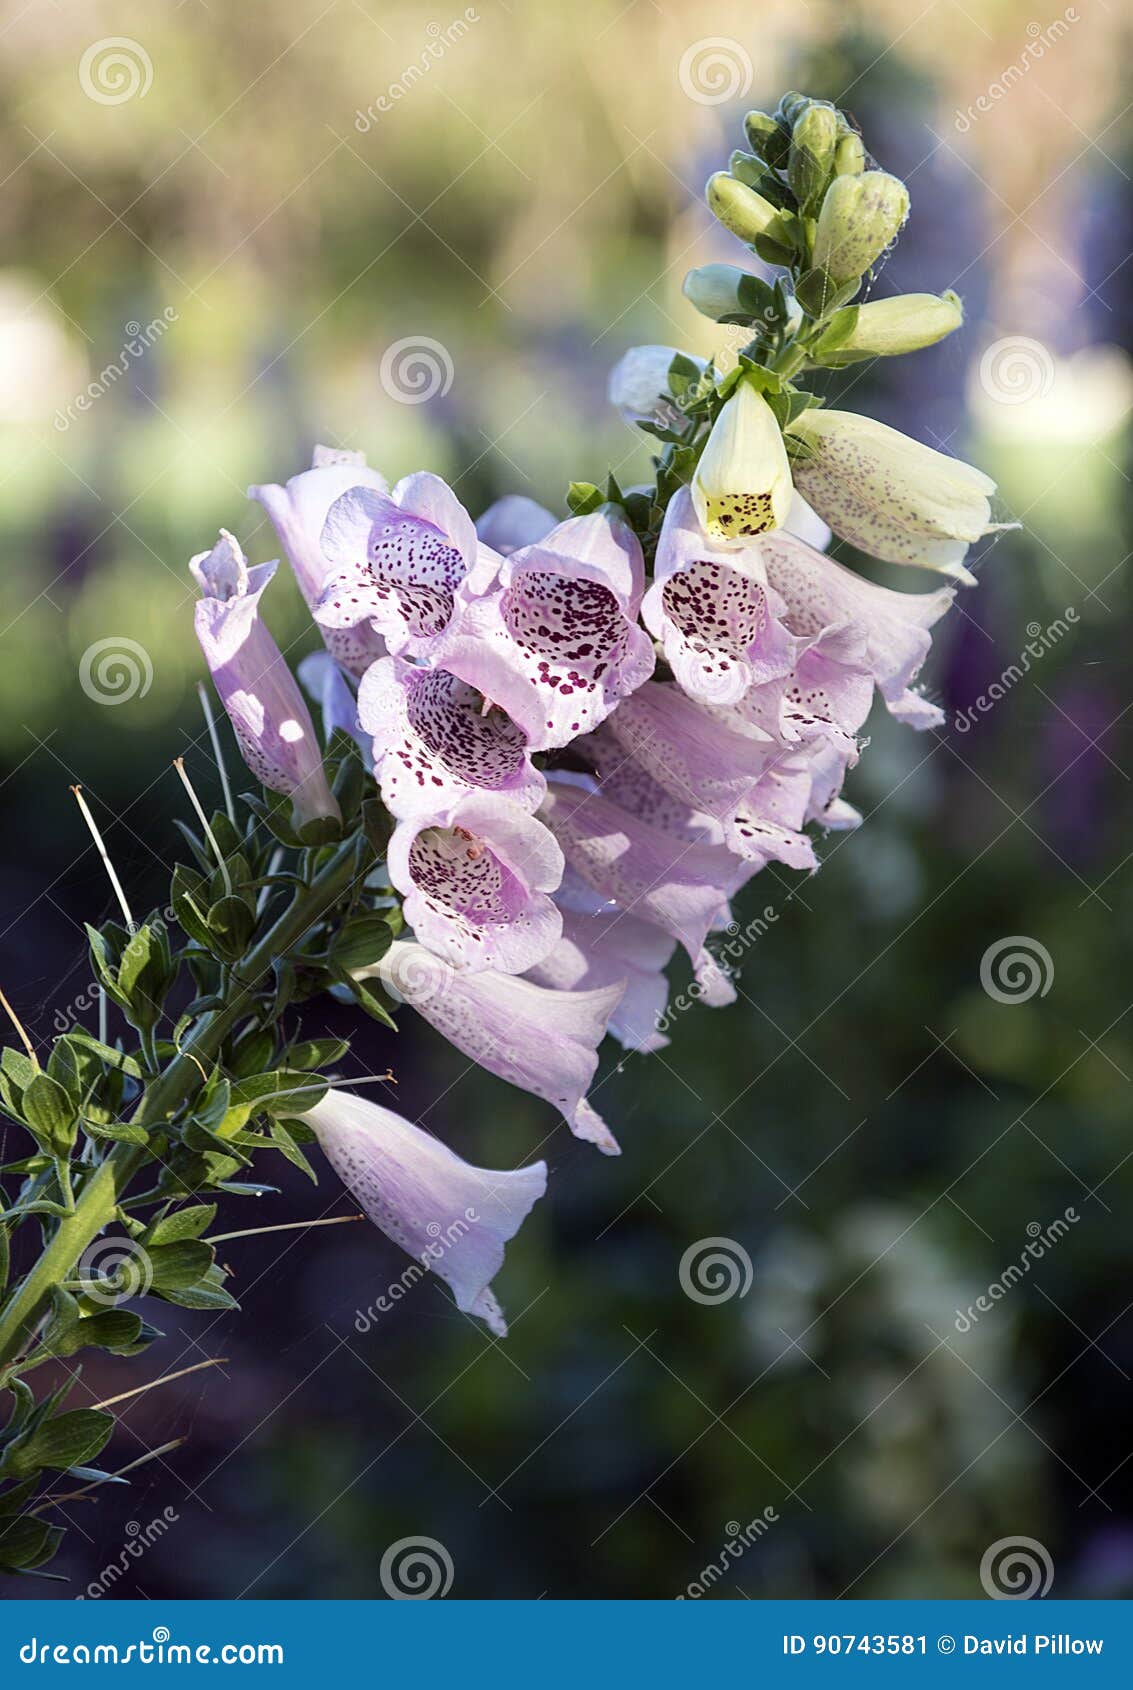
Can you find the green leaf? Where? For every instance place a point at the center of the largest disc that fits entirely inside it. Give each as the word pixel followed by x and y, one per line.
pixel 117 1132
pixel 28 1542
pixel 13 1499
pixel 209 1294
pixel 231 924
pixel 583 498
pixel 284 1142
pixel 361 941
pixel 316 1053
pixel 183 1223
pixel 66 1441
pixel 50 1113
pixel 279 1092
pixel 369 1001
pixel 116 1330
pixel 4 1256
pixel 179 1265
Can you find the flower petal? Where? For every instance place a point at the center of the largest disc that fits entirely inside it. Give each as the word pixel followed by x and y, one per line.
pixel 434 745
pixel 713 613
pixel 447 1214
pixel 609 949
pixel 476 885
pixel 542 1040
pixel 405 562
pixel 299 511
pixel 678 886
pixel 557 645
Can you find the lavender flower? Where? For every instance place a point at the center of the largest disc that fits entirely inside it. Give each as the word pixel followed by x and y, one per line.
pixel 448 1215
pixel 273 725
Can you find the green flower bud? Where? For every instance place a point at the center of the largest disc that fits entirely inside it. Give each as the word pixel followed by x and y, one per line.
pixel 849 155
pixel 887 327
pixel 738 207
pixel 726 293
pixel 767 138
pixel 813 143
pixel 860 216
pixel 792 106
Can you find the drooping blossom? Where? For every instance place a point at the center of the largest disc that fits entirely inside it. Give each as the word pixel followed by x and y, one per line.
pixel 712 612
pixel 448 1215
pixel 702 761
pixel 603 946
pixel 542 1040
pixel 889 495
pixel 819 595
pixel 273 726
pixel 742 485
pixel 514 521
pixel 299 511
pixel 476 886
pixel 557 644
pixel 404 562
pixel 435 743
pixel 674 884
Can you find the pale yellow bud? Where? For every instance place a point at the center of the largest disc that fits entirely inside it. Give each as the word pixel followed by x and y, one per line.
pixel 742 484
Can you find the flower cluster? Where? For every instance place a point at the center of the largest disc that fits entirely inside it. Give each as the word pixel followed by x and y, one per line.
pixel 589 734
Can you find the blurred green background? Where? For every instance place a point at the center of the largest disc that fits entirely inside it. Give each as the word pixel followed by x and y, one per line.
pixel 872 1128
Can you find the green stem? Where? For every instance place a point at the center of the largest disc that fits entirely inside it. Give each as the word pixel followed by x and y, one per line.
pixel 106 1186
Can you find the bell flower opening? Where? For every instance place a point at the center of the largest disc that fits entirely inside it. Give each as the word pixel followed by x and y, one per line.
pixel 742 485
pixel 268 712
pixel 450 1216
